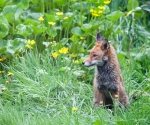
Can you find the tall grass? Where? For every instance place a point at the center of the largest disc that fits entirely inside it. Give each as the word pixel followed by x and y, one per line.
pixel 44 90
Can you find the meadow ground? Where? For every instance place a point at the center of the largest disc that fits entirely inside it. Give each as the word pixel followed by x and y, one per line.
pixel 45 91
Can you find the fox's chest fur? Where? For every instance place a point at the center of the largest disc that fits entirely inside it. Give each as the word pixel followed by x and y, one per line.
pixel 107 78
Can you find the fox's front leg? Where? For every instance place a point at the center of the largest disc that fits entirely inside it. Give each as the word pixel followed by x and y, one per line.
pixel 98 95
pixel 113 88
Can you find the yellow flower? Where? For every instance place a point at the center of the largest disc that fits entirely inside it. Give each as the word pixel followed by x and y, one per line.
pixel 84 75
pixel 130 12
pixel 16 54
pixel 52 23
pixel 101 102
pixel 107 1
pixel 54 55
pixel 76 61
pixel 94 11
pixel 54 42
pixel 31 42
pixel 128 61
pixel 7 81
pixel 63 50
pixel 100 12
pixel 101 7
pixel 126 12
pixel 81 38
pixel 2 71
pixel 28 47
pixel 41 18
pixel 116 96
pixel 74 55
pixel 91 10
pixel 3 89
pixel 2 59
pixel 10 74
pixel 66 18
pixel 95 14
pixel 74 109
pixel 59 13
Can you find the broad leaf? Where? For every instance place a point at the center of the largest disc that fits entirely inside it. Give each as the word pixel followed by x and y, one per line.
pixel 39 29
pixel 31 15
pixel 3 30
pixel 15 45
pixel 24 30
pixel 60 2
pixel 3 20
pixel 146 7
pixel 51 18
pixel 1 3
pixel 12 13
pixel 52 32
pixel 23 4
pixel 77 31
pixel 86 27
pixel 132 4
pixel 114 16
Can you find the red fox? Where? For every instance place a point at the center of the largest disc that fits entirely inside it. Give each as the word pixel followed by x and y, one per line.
pixel 108 83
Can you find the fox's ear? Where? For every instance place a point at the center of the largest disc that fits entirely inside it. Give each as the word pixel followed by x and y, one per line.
pixel 105 44
pixel 99 37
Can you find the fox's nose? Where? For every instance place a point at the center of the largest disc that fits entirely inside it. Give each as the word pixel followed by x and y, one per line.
pixel 83 63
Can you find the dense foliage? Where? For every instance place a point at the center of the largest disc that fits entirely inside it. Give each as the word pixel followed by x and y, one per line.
pixel 42 45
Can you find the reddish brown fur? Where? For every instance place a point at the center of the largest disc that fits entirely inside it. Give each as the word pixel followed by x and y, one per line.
pixel 106 52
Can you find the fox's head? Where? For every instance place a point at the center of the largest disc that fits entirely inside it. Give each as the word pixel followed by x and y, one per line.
pixel 98 54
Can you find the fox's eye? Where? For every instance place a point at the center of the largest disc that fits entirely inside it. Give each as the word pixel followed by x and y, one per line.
pixel 94 55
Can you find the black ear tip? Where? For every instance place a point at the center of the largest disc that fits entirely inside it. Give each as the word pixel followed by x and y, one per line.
pixel 99 37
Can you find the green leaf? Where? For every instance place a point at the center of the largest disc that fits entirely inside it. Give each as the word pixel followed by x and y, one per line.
pixel 65 68
pixel 78 73
pixel 3 45
pixel 52 32
pixel 31 15
pixel 114 16
pixel 146 7
pixel 97 122
pixel 77 31
pixel 4 26
pixel 80 19
pixel 12 13
pixel 15 45
pixel 3 20
pixel 51 18
pixel 35 1
pixel 1 3
pixel 19 43
pixel 60 2
pixel 132 4
pixel 86 27
pixel 3 30
pixel 39 29
pixel 24 30
pixel 23 4
pixel 31 22
pixel 64 41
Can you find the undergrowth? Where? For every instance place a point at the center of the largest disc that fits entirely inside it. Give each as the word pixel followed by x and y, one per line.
pixel 44 90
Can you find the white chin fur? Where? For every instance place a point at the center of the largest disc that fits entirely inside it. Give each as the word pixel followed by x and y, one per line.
pixel 87 64
pixel 93 63
pixel 97 62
